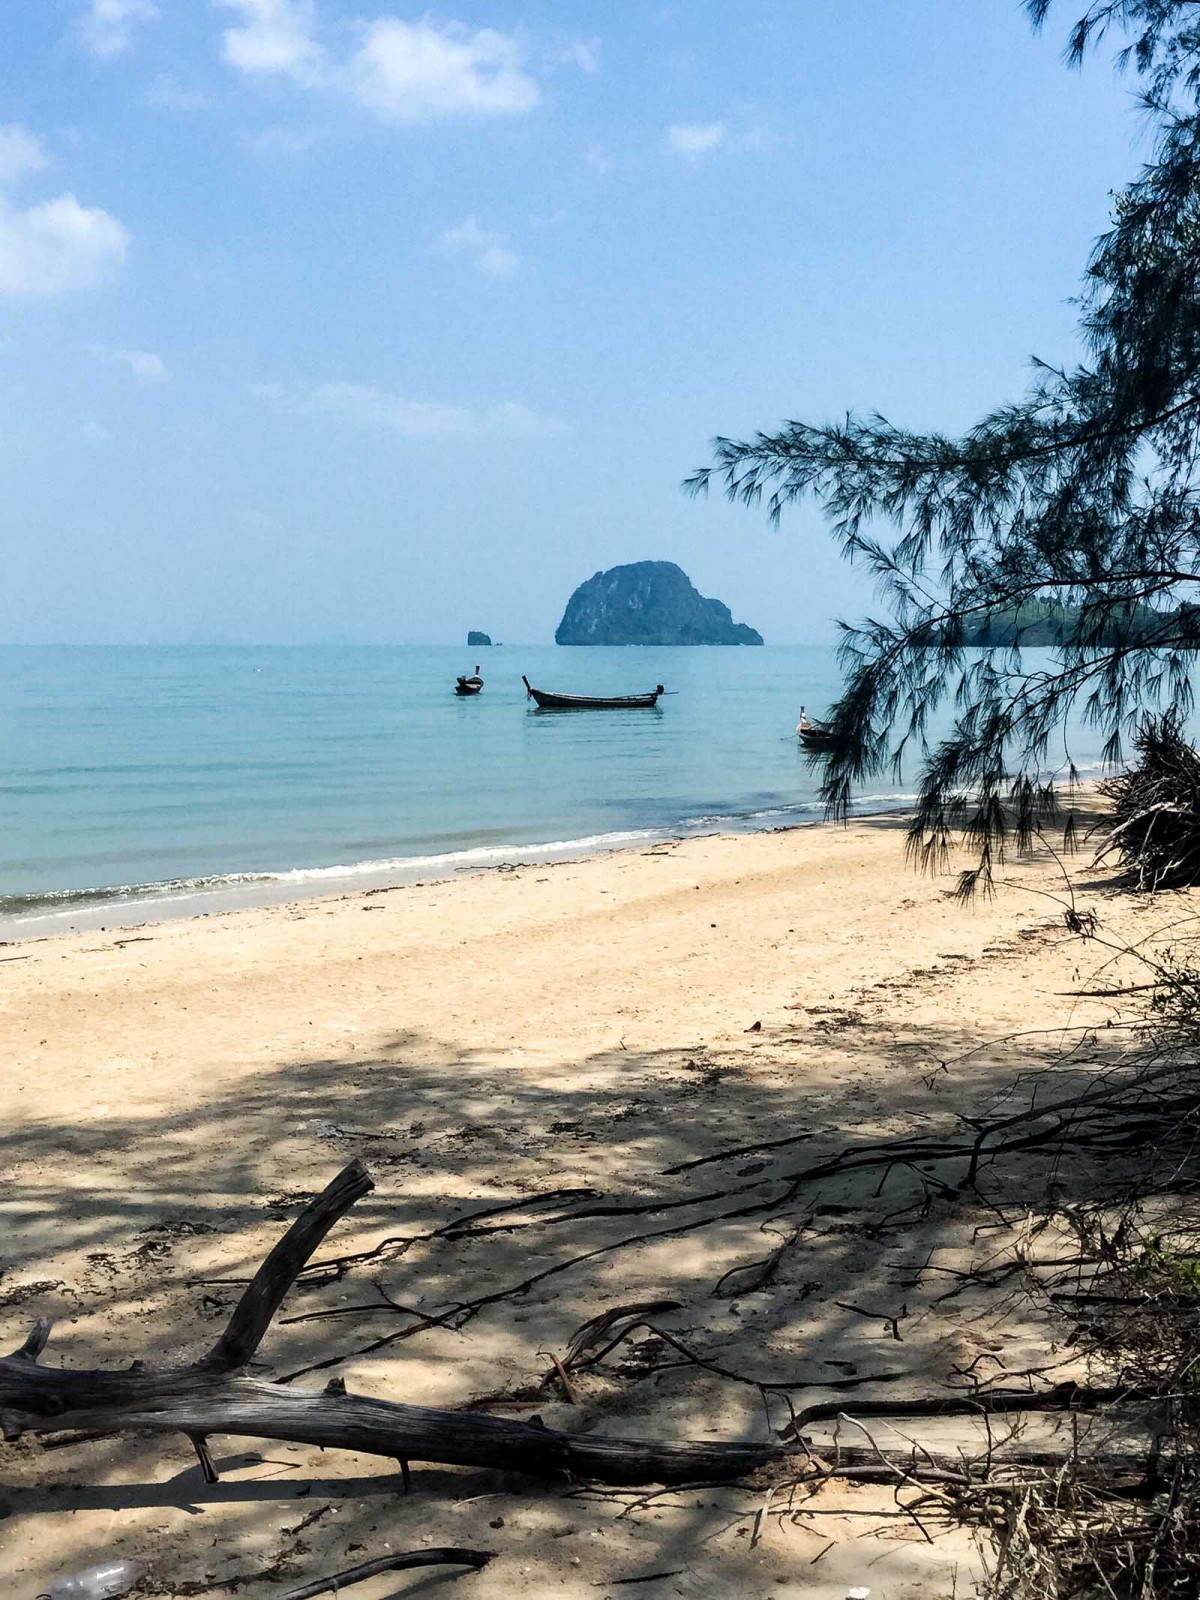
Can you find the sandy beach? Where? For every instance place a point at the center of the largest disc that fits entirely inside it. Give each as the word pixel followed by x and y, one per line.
pixel 175 1093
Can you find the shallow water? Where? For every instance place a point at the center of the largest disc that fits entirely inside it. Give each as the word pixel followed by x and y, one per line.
pixel 159 774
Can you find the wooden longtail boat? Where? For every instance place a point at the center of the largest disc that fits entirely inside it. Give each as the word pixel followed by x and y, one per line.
pixel 548 701
pixel 813 735
pixel 471 685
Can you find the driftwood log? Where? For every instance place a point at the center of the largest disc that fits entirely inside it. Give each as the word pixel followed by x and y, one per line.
pixel 214 1396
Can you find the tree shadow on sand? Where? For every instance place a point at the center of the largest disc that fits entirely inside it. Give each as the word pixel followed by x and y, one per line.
pixel 805 1244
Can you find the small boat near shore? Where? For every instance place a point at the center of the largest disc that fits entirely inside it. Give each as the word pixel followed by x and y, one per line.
pixel 812 735
pixel 471 685
pixel 549 701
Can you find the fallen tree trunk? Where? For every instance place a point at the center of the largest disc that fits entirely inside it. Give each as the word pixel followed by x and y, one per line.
pixel 213 1395
pixel 199 1403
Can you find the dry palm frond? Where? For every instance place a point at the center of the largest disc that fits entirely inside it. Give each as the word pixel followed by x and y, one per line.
pixel 1155 826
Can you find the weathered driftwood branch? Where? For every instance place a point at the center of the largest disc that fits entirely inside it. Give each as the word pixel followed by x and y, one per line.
pixel 213 1395
pixel 254 1311
pixel 446 1556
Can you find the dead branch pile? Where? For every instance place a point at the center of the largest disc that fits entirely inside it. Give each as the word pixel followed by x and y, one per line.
pixel 213 1396
pixel 1070 1539
pixel 1061 1517
pixel 1154 832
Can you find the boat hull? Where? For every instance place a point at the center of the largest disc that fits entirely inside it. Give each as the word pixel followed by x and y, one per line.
pixel 548 701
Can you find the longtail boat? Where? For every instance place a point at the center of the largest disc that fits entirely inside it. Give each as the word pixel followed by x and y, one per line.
pixel 548 701
pixel 815 736
pixel 471 685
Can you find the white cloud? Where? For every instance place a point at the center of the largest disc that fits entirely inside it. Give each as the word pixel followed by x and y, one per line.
pixel 364 406
pixel 413 71
pixel 57 245
pixel 695 138
pixel 145 366
pixel 274 36
pixel 107 27
pixel 20 151
pixel 402 71
pixel 490 252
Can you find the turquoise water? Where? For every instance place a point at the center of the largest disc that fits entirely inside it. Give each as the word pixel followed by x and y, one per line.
pixel 157 774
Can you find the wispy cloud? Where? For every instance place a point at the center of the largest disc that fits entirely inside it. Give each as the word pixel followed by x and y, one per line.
pixel 20 152
pixel 275 36
pixel 695 138
pixel 166 93
pixel 107 27
pixel 490 252
pixel 415 71
pixel 276 142
pixel 145 366
pixel 381 410
pixel 581 53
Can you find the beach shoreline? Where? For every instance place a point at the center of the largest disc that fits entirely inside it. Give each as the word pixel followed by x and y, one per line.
pixel 99 909
pixel 604 1027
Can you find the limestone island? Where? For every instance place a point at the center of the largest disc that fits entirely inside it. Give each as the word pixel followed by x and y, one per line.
pixel 648 602
pixel 474 637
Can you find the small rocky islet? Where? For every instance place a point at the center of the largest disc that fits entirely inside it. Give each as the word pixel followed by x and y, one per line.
pixel 648 603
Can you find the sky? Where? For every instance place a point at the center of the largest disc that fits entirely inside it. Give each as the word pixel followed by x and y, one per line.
pixel 345 320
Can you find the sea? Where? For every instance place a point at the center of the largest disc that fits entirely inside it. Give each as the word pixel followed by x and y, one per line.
pixel 138 783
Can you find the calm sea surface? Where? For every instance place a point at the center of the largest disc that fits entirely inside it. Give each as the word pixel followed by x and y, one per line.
pixel 185 777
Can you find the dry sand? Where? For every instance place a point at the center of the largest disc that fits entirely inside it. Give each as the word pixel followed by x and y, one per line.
pixel 174 1093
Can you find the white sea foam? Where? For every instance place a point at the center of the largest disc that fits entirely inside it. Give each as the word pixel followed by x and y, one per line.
pixel 27 916
pixel 128 905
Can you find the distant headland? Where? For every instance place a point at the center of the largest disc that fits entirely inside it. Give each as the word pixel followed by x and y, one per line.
pixel 474 637
pixel 648 602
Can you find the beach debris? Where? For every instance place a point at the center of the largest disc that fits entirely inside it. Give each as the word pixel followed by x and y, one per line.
pixel 738 1150
pixel 107 1580
pixel 1154 830
pixel 892 1323
pixel 213 1395
pixel 568 1387
pixel 444 1556
pixel 600 1329
pixel 750 1276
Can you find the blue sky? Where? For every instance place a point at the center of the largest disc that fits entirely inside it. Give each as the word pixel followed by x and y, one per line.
pixel 331 320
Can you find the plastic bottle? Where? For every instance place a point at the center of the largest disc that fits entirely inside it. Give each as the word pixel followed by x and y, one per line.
pixel 107 1581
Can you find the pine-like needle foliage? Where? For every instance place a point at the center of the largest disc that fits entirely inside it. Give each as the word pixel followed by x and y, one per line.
pixel 1085 493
